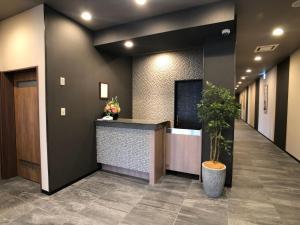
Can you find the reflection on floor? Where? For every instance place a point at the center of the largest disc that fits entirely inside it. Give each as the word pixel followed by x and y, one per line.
pixel 266 191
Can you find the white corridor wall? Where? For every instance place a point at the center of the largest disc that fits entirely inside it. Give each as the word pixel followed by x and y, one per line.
pixel 22 45
pixel 243 102
pixel 293 117
pixel 251 104
pixel 266 121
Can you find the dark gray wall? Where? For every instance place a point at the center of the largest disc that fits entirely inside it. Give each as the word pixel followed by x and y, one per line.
pixel 204 15
pixel 219 69
pixel 219 52
pixel 247 104
pixel 71 139
pixel 282 89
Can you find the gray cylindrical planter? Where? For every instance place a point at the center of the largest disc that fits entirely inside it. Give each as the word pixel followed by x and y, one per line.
pixel 213 181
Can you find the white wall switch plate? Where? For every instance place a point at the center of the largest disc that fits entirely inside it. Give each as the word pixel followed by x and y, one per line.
pixel 62 81
pixel 63 111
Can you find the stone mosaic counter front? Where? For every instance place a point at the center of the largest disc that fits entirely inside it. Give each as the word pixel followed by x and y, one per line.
pixel 132 147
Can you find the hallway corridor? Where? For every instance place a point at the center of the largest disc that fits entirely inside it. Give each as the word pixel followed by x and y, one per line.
pixel 266 182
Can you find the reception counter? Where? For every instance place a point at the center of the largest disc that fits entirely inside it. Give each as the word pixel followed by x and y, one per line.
pixel 132 147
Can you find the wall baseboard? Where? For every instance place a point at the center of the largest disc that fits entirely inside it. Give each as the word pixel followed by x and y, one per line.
pixel 68 184
pixel 275 144
pixel 290 155
pixel 184 175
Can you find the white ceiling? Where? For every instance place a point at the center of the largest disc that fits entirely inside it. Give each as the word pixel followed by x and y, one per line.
pixel 256 20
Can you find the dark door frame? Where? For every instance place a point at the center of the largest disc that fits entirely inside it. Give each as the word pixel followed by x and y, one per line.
pixel 8 151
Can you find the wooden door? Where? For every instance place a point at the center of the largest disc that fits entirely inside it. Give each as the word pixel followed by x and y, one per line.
pixel 27 124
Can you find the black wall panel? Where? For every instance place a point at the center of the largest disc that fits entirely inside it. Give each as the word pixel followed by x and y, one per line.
pixel 256 104
pixel 219 68
pixel 71 139
pixel 281 103
pixel 247 104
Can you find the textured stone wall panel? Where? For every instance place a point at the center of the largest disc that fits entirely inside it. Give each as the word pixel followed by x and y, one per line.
pixel 154 79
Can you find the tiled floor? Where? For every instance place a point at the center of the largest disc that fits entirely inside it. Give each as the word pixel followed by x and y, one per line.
pixel 266 190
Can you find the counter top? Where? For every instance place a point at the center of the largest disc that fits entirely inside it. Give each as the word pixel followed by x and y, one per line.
pixel 133 123
pixel 189 132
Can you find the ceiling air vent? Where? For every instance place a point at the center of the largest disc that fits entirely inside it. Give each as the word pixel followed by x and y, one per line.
pixel 266 48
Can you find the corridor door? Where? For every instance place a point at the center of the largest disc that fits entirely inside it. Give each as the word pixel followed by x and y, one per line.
pixel 27 124
pixel 187 96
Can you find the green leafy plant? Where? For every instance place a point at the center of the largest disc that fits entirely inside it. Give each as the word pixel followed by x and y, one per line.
pixel 216 110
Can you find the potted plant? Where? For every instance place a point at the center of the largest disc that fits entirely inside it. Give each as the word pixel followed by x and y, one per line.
pixel 113 108
pixel 216 110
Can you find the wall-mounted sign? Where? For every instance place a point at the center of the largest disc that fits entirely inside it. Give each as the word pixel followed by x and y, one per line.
pixel 103 91
pixel 266 98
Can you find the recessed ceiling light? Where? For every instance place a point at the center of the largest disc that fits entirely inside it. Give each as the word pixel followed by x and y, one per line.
pixel 278 32
pixel 141 2
pixel 226 32
pixel 296 4
pixel 237 86
pixel 258 58
pixel 243 77
pixel 86 16
pixel 248 70
pixel 240 82
pixel 128 44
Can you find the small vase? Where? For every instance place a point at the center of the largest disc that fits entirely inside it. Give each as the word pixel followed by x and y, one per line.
pixel 115 116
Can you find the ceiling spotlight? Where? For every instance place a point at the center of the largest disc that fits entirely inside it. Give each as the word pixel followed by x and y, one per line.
pixel 237 86
pixel 225 32
pixel 258 58
pixel 296 4
pixel 240 82
pixel 278 32
pixel 128 44
pixel 243 77
pixel 141 2
pixel 248 70
pixel 86 16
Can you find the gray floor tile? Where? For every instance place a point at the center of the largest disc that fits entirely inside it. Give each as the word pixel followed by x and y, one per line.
pixel 120 200
pixel 103 215
pixel 256 212
pixel 147 215
pixel 160 198
pixel 40 217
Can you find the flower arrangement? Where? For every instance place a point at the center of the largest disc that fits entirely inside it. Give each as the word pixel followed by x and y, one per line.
pixel 112 107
